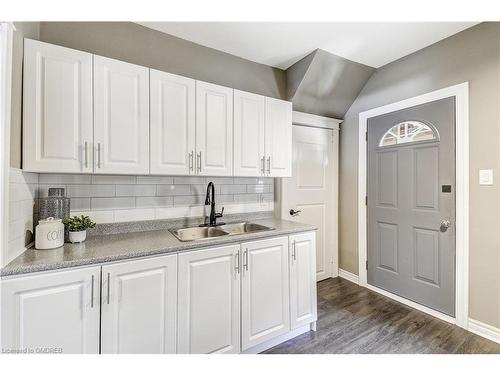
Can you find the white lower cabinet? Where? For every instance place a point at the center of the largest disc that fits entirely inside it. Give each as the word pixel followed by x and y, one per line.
pixel 227 299
pixel 209 301
pixel 57 310
pixel 303 309
pixel 139 306
pixel 265 291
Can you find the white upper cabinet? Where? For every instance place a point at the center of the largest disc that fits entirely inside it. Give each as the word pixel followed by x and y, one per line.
pixel 172 138
pixel 139 306
pixel 278 138
pixel 249 117
pixel 209 301
pixel 121 117
pixel 264 291
pixel 57 109
pixel 52 310
pixel 303 308
pixel 214 129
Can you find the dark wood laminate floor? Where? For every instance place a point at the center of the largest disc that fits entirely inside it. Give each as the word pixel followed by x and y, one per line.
pixel 352 319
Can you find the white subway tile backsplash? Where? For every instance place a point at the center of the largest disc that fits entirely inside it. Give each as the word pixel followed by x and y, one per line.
pixel 99 217
pixel 189 180
pixel 162 190
pixel 83 191
pixel 135 214
pixel 233 189
pixel 64 179
pixel 112 179
pixel 111 203
pixel 155 180
pixel 143 202
pixel 116 198
pixel 135 190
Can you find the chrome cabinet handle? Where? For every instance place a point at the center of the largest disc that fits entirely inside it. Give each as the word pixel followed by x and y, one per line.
pixel 245 264
pixel 85 150
pixel 108 289
pixel 445 224
pixel 237 263
pixel 294 252
pixel 198 157
pixel 92 294
pixel 99 155
pixel 269 165
pixel 191 160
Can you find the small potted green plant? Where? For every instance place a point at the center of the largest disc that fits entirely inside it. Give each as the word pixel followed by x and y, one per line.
pixel 77 226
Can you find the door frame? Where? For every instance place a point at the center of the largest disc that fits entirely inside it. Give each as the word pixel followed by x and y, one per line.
pixel 461 94
pixel 321 122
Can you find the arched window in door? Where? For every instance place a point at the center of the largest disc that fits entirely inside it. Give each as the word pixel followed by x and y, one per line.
pixel 408 132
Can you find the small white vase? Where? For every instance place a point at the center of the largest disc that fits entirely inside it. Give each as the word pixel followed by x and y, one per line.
pixel 77 236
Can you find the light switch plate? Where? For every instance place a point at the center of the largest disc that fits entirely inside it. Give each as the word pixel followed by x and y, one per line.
pixel 486 177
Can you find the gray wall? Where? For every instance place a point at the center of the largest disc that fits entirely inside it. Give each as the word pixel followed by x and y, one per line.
pixel 137 44
pixel 325 84
pixel 473 56
pixel 28 30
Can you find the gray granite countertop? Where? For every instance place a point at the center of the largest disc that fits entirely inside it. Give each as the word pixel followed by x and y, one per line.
pixel 120 246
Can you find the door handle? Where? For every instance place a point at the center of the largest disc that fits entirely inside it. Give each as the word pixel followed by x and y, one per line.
pixel 445 224
pixel 237 263
pixel 108 289
pixel 245 262
pixel 294 251
pixel 294 213
pixel 263 165
pixel 269 165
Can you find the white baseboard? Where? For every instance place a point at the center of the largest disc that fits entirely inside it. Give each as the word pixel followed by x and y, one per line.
pixel 280 339
pixel 348 276
pixel 484 330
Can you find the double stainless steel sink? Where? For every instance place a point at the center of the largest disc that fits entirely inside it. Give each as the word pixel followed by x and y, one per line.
pixel 206 233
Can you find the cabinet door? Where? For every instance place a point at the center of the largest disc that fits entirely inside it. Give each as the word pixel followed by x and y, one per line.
pixel 303 309
pixel 57 310
pixel 214 129
pixel 139 306
pixel 249 115
pixel 57 109
pixel 121 117
pixel 209 301
pixel 172 139
pixel 278 138
pixel 265 291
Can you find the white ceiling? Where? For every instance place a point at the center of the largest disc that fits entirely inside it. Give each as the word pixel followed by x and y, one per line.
pixel 282 44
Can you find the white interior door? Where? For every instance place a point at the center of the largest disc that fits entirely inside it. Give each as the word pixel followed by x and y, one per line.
pixel 278 138
pixel 249 138
pixel 121 117
pixel 209 301
pixel 312 191
pixel 214 129
pixel 172 131
pixel 57 109
pixel 53 310
pixel 265 291
pixel 139 306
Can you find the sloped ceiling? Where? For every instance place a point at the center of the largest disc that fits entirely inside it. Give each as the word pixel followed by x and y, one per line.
pixel 325 84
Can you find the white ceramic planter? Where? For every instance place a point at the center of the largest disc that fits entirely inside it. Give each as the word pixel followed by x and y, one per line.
pixel 77 236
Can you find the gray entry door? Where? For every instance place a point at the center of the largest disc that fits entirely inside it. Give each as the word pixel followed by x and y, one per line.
pixel 411 197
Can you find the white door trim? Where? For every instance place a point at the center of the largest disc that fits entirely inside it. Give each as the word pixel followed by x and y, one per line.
pixel 461 94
